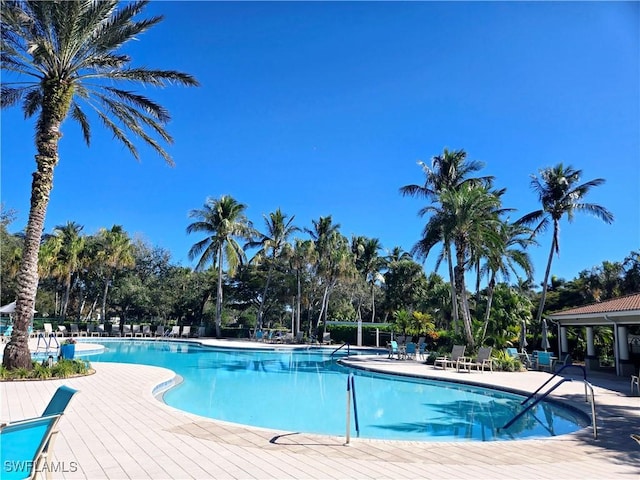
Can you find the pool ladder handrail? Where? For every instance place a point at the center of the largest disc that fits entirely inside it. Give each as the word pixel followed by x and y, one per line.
pixel 546 394
pixel 47 344
pixel 351 394
pixel 347 344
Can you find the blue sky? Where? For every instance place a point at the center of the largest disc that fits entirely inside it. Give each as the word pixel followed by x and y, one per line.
pixel 324 108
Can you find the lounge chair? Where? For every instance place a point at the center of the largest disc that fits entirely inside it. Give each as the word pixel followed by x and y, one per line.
pixel 160 331
pixel 146 331
pixel 451 360
pixel 62 331
pixel 326 338
pixel 482 361
pixel 75 331
pixel 175 331
pixel 259 336
pixel 25 446
pixel 186 331
pixel 30 441
pixel 99 331
pixel 135 330
pixel 127 331
pixel 48 329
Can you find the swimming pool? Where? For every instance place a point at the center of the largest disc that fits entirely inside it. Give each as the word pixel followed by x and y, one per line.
pixel 303 390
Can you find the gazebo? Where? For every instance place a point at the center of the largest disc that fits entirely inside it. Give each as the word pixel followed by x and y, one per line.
pixel 618 313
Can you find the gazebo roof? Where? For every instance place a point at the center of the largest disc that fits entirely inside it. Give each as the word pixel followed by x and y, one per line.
pixel 625 310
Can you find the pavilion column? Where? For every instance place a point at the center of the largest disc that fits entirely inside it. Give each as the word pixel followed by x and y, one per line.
pixel 625 366
pixel 591 359
pixel 564 342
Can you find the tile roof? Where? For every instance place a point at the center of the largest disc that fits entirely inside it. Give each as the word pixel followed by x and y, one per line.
pixel 620 304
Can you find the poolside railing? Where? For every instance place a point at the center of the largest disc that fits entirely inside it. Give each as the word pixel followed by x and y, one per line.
pixel 342 346
pixel 351 394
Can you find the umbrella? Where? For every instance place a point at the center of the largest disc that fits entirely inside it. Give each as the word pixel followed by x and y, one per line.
pixel 523 336
pixel 8 308
pixel 545 336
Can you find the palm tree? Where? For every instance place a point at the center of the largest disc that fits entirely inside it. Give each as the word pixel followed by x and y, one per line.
pixel 301 256
pixel 369 264
pixel 466 218
pixel 223 221
pixel 449 171
pixel 69 257
pixel 560 194
pixel 115 253
pixel 67 56
pixel 271 243
pixel 506 257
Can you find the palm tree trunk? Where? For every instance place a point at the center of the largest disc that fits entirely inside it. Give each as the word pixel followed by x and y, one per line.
pixel 490 289
pixel 67 293
pixel 219 296
pixel 55 105
pixel 452 283
pixel 543 298
pixel 298 302
pixel 373 303
pixel 264 296
pixel 104 300
pixel 462 297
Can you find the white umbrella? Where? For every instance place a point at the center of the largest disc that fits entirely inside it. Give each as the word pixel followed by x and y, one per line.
pixel 8 308
pixel 545 336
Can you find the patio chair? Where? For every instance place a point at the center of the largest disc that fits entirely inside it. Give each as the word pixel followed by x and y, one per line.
pixel 326 338
pixel 635 382
pixel 99 331
pixel 410 351
pixel 450 360
pixel 558 364
pixel 146 331
pixel 75 331
pixel 160 331
pixel 422 350
pixel 25 446
pixel 544 361
pixel 393 349
pixel 135 330
pixel 174 332
pixel 482 361
pixel 127 331
pixel 186 331
pixel 62 331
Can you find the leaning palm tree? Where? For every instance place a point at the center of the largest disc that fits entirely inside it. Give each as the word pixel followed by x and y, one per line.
pixel 223 221
pixel 66 58
pixel 271 243
pixel 560 194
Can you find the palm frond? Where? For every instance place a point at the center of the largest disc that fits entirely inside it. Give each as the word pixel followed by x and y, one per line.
pixel 32 102
pixel 158 78
pixel 140 101
pixel 119 134
pixel 78 115
pixel 10 96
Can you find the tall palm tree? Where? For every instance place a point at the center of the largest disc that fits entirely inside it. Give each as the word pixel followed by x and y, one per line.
pixel 223 221
pixel 369 264
pixel 271 243
pixel 115 253
pixel 448 172
pixel 560 194
pixel 67 56
pixel 301 257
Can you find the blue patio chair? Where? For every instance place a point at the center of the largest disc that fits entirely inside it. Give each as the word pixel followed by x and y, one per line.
pixel 25 445
pixel 393 349
pixel 410 351
pixel 59 401
pixel 543 361
pixel 422 350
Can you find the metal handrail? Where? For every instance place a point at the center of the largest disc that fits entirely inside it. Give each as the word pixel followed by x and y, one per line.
pixel 351 389
pixel 47 344
pixel 535 402
pixel 584 373
pixel 342 346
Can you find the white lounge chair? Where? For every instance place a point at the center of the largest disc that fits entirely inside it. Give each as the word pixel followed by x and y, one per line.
pixel 186 331
pixel 175 331
pixel 159 331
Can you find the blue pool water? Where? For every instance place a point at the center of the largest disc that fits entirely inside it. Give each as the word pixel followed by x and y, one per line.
pixel 305 391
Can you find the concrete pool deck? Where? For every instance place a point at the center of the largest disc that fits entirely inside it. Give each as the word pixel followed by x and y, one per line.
pixel 115 428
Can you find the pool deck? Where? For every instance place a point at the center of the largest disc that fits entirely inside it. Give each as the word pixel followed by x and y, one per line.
pixel 115 428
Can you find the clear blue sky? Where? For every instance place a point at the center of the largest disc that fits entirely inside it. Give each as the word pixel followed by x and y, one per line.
pixel 325 108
